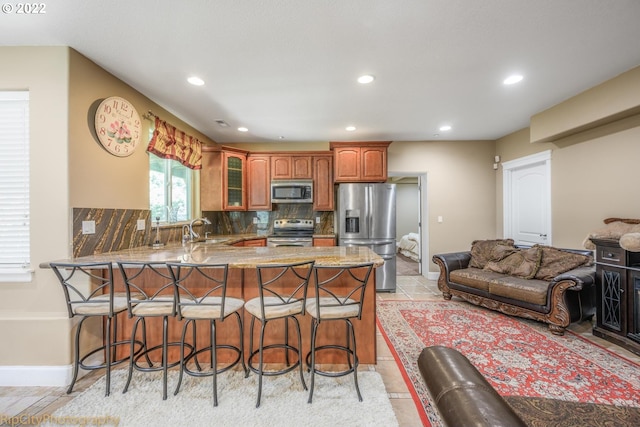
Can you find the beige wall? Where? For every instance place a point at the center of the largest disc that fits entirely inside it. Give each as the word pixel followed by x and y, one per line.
pixel 592 177
pixel 33 322
pixel 460 188
pixel 68 169
pixel 98 179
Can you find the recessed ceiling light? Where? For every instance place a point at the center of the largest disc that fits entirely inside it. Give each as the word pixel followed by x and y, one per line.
pixel 350 128
pixel 512 79
pixel 367 78
pixel 445 128
pixel 196 81
pixel 243 129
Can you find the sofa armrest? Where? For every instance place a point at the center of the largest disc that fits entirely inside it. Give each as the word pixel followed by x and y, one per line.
pixel 583 276
pixel 453 261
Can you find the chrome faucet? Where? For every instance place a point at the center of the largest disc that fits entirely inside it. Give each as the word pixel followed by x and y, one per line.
pixel 186 235
pixel 193 235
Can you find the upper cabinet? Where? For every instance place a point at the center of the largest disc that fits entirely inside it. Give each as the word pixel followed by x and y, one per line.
pixel 258 182
pixel 361 161
pixel 323 182
pixel 291 167
pixel 222 179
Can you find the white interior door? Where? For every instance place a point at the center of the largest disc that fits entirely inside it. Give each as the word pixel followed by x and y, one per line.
pixel 527 199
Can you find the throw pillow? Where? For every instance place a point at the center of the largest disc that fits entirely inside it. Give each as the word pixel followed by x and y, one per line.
pixel 522 263
pixel 556 261
pixel 483 251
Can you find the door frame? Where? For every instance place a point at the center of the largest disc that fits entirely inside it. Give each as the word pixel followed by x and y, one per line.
pixel 542 158
pixel 423 225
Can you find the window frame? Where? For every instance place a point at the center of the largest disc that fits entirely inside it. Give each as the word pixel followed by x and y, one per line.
pixel 169 166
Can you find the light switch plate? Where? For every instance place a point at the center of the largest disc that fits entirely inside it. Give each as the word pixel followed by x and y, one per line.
pixel 140 224
pixel 317 220
pixel 255 219
pixel 88 227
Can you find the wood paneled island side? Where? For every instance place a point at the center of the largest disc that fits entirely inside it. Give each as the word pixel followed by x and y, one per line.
pixel 242 283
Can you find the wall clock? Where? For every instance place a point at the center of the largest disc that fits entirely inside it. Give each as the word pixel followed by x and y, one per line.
pixel 118 126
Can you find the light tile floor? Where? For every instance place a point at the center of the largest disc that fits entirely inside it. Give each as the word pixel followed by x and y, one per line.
pixel 36 401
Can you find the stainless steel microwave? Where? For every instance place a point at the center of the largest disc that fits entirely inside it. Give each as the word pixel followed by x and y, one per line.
pixel 292 191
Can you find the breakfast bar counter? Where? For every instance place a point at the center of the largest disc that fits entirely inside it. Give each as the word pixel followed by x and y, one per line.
pixel 237 257
pixel 242 283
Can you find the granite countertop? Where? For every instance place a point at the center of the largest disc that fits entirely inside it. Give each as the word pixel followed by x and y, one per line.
pixel 237 257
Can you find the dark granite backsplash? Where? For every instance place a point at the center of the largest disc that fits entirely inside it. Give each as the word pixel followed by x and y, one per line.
pixel 242 222
pixel 116 229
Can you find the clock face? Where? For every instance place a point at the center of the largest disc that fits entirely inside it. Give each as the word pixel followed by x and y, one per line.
pixel 118 126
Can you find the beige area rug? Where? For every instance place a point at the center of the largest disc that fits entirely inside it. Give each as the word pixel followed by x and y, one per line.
pixel 284 402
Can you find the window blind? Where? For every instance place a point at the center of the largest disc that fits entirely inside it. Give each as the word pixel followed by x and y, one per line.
pixel 15 259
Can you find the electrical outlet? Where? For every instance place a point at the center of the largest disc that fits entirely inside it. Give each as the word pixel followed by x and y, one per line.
pixel 141 224
pixel 255 219
pixel 88 227
pixel 317 220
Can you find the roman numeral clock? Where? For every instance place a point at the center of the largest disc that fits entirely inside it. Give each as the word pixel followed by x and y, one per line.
pixel 118 127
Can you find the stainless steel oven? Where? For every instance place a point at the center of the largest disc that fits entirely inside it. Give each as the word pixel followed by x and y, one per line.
pixel 291 232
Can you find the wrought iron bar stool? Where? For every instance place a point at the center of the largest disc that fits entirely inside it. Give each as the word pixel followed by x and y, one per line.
pixel 150 293
pixel 282 290
pixel 339 296
pixel 88 290
pixel 201 294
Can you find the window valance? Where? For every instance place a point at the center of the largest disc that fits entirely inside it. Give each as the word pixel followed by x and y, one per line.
pixel 171 143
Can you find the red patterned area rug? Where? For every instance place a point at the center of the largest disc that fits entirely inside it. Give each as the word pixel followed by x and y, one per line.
pixel 520 358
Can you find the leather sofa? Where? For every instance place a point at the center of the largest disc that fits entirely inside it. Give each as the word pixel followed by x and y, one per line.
pixel 462 396
pixel 528 287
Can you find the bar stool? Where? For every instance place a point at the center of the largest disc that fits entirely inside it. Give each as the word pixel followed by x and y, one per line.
pixel 282 290
pixel 339 296
pixel 88 290
pixel 201 294
pixel 150 293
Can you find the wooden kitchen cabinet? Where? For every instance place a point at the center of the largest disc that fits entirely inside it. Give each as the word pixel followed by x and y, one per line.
pixel 324 241
pixel 291 167
pixel 323 195
pixel 258 182
pixel 255 243
pixel 360 162
pixel 222 180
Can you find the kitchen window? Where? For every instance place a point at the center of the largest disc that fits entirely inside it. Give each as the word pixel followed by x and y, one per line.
pixel 170 190
pixel 15 249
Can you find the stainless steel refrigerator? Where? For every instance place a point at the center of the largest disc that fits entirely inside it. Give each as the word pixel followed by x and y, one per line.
pixel 366 216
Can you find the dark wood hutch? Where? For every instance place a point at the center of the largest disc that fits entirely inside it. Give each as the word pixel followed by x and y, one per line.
pixel 617 294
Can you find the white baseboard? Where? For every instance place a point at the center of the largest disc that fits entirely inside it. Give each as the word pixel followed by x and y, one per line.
pixel 433 275
pixel 42 376
pixel 38 376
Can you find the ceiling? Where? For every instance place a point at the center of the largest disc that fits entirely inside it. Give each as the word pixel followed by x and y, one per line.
pixel 287 69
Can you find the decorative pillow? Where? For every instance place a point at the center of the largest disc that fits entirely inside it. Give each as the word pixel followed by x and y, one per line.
pixel 556 261
pixel 630 242
pixel 522 263
pixel 483 251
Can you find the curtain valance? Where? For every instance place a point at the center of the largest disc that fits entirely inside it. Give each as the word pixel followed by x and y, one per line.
pixel 171 143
